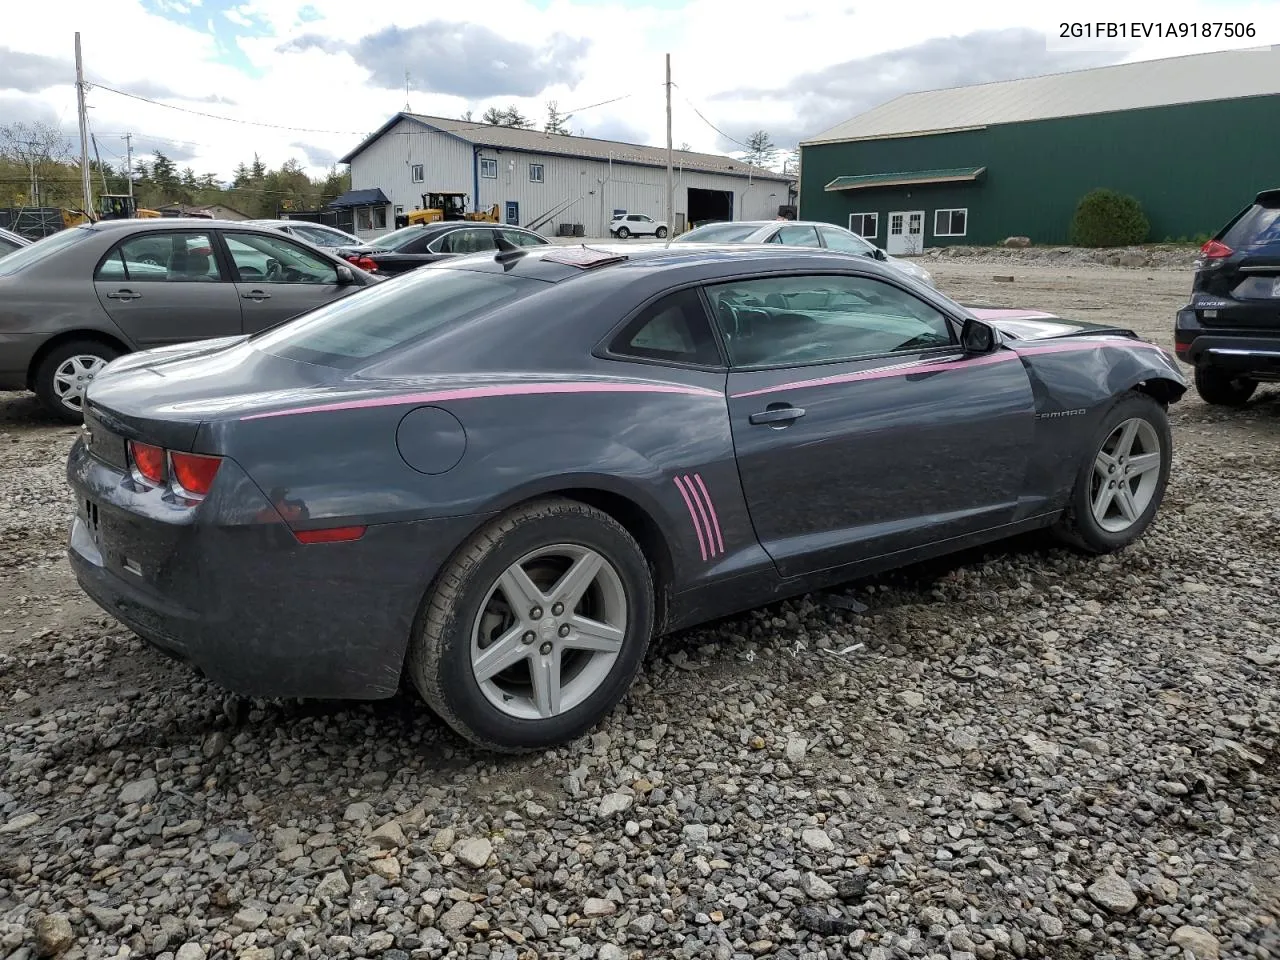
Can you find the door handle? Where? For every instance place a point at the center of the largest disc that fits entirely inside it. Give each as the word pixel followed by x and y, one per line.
pixel 256 295
pixel 125 295
pixel 777 415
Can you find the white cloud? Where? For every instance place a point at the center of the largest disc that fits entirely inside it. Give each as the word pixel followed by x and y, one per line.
pixel 716 46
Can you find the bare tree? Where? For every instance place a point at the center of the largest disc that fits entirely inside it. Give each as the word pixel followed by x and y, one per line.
pixel 27 142
pixel 557 122
pixel 760 149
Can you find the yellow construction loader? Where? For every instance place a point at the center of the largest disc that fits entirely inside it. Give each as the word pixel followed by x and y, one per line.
pixel 449 206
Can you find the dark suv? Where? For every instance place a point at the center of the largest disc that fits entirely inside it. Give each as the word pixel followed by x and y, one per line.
pixel 1230 331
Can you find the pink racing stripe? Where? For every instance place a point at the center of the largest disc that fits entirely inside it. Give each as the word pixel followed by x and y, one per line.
pixel 879 373
pixel 703 512
pixel 715 521
pixel 693 515
pixel 471 393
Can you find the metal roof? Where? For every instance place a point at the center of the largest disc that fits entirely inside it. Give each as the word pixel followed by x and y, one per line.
pixel 566 145
pixel 951 175
pixel 1196 78
pixel 360 198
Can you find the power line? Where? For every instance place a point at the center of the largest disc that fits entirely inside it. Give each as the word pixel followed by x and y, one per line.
pixel 745 146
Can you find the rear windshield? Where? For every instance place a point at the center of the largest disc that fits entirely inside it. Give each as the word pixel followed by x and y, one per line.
pixel 1258 226
pixel 362 326
pixel 720 233
pixel 46 247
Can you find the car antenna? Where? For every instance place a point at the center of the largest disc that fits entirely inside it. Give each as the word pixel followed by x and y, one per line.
pixel 507 250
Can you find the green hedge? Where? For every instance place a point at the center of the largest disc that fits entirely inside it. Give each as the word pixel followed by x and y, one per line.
pixel 1105 218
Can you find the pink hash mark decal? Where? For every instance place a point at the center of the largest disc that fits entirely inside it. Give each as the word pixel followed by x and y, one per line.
pixel 715 521
pixel 706 525
pixel 472 393
pixel 693 516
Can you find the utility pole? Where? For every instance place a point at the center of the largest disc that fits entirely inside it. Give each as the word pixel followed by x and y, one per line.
pixel 84 134
pixel 128 160
pixel 670 184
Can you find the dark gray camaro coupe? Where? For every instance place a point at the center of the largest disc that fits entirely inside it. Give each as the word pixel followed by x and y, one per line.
pixel 501 476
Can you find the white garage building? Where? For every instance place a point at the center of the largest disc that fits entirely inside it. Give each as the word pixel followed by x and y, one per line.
pixel 554 183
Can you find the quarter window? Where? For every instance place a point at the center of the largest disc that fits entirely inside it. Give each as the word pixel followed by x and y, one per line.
pixel 864 224
pixel 674 329
pixel 791 321
pixel 276 260
pixel 173 256
pixel 535 173
pixel 489 168
pixel 950 223
pixel 415 173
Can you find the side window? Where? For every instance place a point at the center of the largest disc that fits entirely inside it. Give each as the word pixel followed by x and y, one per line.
pixel 675 329
pixel 522 239
pixel 468 241
pixel 790 321
pixel 175 256
pixel 797 236
pixel 262 259
pixel 844 242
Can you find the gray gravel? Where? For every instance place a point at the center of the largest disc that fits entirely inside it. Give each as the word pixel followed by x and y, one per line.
pixel 1020 752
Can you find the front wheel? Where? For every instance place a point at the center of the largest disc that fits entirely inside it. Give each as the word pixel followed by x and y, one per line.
pixel 1122 478
pixel 65 374
pixel 623 233
pixel 535 628
pixel 660 233
pixel 1222 389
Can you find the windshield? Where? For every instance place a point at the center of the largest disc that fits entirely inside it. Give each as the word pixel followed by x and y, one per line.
pixel 719 233
pixel 397 238
pixel 41 249
pixel 357 328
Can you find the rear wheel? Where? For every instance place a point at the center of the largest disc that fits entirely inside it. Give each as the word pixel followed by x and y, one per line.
pixel 65 374
pixel 1122 480
pixel 1221 389
pixel 535 628
pixel 660 233
pixel 623 233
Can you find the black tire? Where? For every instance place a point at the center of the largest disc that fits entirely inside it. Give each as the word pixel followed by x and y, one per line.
pixel 1221 389
pixel 1078 526
pixel 439 657
pixel 623 233
pixel 660 233
pixel 45 372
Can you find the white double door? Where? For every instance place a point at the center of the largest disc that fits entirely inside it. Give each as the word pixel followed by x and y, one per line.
pixel 906 232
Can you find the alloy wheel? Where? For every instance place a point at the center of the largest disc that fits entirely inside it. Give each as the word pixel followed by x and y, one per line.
pixel 72 379
pixel 1126 475
pixel 549 631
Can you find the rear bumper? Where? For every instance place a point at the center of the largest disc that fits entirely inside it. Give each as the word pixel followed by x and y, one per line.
pixel 241 600
pixel 1243 351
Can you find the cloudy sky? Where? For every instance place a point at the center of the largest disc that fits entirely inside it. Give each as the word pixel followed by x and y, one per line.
pixel 309 78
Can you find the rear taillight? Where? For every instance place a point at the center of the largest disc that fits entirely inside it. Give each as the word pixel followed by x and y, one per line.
pixel 148 461
pixel 364 263
pixel 190 474
pixel 1215 250
pixel 194 472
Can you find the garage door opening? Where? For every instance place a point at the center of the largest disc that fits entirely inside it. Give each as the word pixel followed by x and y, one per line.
pixel 708 206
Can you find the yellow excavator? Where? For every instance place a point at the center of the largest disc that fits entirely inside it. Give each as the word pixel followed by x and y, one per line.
pixel 449 206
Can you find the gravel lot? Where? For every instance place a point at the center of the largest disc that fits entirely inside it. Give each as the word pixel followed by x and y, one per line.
pixel 1020 752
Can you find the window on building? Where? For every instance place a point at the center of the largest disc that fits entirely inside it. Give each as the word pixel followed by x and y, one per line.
pixel 950 223
pixel 535 173
pixel 415 172
pixel 489 168
pixel 864 224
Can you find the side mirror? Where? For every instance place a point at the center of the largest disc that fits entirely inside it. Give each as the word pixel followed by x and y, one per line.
pixel 879 254
pixel 977 337
pixel 345 275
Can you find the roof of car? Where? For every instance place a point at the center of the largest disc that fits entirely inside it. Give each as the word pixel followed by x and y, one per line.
pixel 154 223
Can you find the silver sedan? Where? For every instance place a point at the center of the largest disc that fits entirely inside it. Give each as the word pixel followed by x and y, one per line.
pixel 800 233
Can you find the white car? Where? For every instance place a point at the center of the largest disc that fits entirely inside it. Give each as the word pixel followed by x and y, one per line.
pixel 800 233
pixel 637 225
pixel 317 234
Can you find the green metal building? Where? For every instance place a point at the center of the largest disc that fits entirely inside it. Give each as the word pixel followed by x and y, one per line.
pixel 1193 138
